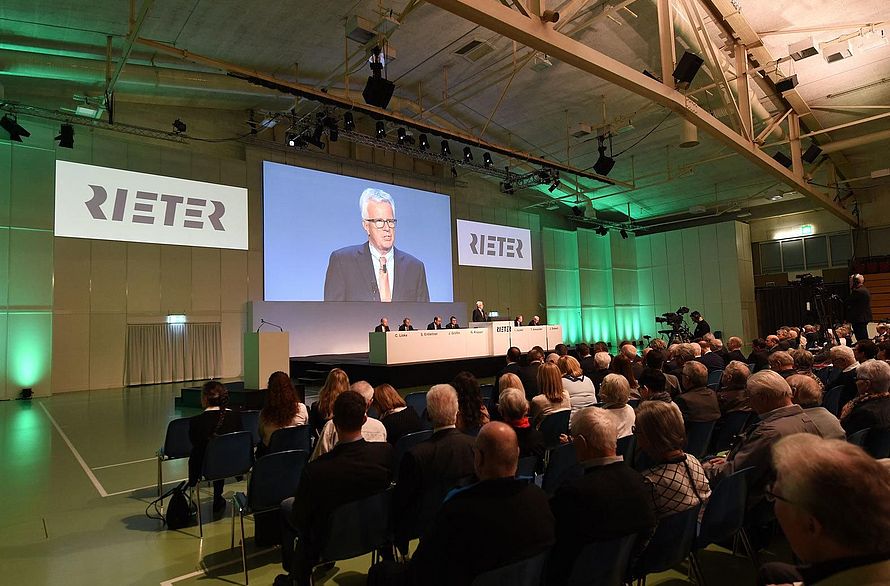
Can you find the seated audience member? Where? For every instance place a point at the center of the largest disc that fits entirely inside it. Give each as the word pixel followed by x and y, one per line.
pixel 603 362
pixel 529 373
pixel 614 393
pixel 514 412
pixel 759 356
pixel 579 387
pixel 734 346
pixel 609 500
pixel 514 355
pixel 708 357
pixel 655 360
pixel 683 354
pixel 553 396
pixel 215 420
pixel 321 411
pixel 353 470
pixel 871 407
pixel 395 415
pixel 772 343
pixel 629 351
pixel 882 333
pixel 719 349
pixel 803 364
pixel 884 351
pixel 372 429
pixel 770 397
pixel 552 358
pixel 831 501
pixel 658 344
pixel 585 359
pixel 561 350
pixel 806 393
pixel 782 362
pixel 698 403
pixel 731 396
pixel 406 326
pixel 623 366
pixel 284 408
pixel 653 387
pixel 429 470
pixel 843 373
pixel 864 351
pixel 472 413
pixel 509 381
pixel 810 337
pixel 677 478
pixel 600 347
pixel 494 523
pixel 452 324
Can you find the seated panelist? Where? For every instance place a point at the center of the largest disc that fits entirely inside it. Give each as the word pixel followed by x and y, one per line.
pixel 452 324
pixel 383 326
pixel 436 324
pixel 406 326
pixel 517 321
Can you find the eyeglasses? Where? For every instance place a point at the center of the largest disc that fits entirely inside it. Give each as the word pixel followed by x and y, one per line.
pixel 772 497
pixel 379 223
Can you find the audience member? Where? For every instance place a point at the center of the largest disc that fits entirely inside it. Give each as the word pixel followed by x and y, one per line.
pixel 653 387
pixel 806 393
pixel 708 357
pixel 682 354
pixel 553 396
pixel 215 420
pixel 529 373
pixel 509 381
pixel 579 387
pixel 472 413
pixel 677 478
pixel 608 501
pixel 585 358
pixel 803 364
pixel 864 351
pixel 629 350
pixel 284 408
pixel 772 343
pixel 843 373
pixel 759 356
pixel 398 419
pixel 603 362
pixel 731 396
pixel 871 406
pixel 884 351
pixel 782 362
pixel 561 350
pixel 600 347
pixel 623 366
pixel 614 393
pixel 719 349
pixel 514 412
pixel 655 360
pixel 697 402
pixel 734 345
pixel 514 355
pixel 321 411
pixel 372 429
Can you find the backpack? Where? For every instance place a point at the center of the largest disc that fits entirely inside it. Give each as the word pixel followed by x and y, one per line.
pixel 180 509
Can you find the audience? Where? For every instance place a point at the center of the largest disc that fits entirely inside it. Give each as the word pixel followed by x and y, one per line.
pixel 553 396
pixel 759 356
pixel 871 406
pixel 608 501
pixel 580 388
pixel 321 411
pixel 731 396
pixel 629 351
pixel 472 413
pixel 682 354
pixel 514 412
pixel 803 364
pixel 622 365
pixel 529 372
pixel 603 362
pixel 805 392
pixel 653 388
pixel 514 355
pixel 655 359
pixel 215 420
pixel 284 408
pixel 708 357
pixel 843 372
pixel 614 393
pixel 585 358
pixel 697 402
pixel 884 350
pixel 782 362
pixel 677 478
pixel 398 419
pixel 734 346
pixel 372 429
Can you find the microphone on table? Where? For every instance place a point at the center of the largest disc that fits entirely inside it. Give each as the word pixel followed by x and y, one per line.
pixel 264 322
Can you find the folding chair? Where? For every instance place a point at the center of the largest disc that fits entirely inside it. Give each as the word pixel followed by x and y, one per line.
pixel 227 455
pixel 603 563
pixel 527 572
pixel 405 443
pixel 553 425
pixel 670 544
pixel 291 438
pixel 176 445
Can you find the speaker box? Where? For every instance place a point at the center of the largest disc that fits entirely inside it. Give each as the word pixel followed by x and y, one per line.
pixel 686 69
pixel 787 84
pixel 378 92
pixel 811 154
pixel 783 159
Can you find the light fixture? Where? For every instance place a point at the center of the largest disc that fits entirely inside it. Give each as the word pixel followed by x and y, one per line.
pixel 623 233
pixel 775 197
pixel 348 121
pixel 294 140
pixel 381 129
pixel 66 136
pixel 550 16
pixel 468 154
pixel 26 394
pixel 603 164
pixel 424 142
pixel 555 183
pixel 378 90
pixel 15 130
pixel 446 150
pixel 453 171
pixel 686 69
pixel 487 160
pixel 507 187
pixel 601 230
pixel 179 126
pixel 333 132
pixel 833 51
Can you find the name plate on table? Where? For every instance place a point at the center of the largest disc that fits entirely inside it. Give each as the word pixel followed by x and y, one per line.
pixel 526 337
pixel 554 336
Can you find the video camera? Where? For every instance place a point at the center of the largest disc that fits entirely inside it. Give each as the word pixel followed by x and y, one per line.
pixel 810 280
pixel 673 318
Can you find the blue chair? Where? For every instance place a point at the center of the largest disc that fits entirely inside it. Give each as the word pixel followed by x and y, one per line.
pixel 487 391
pixel 731 425
pixel 275 477
pixel 291 438
pixel 751 367
pixel 250 421
pixel 877 442
pixel 527 572
pixel 669 546
pixel 553 425
pixel 625 447
pixel 603 563
pixel 405 443
pixel 562 464
pixel 417 401
pixel 698 436
pixel 714 379
pixel 176 445
pixel 858 438
pixel 832 398
pixel 227 455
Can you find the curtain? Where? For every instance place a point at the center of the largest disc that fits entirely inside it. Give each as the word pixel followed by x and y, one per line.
pixel 163 353
pixel 787 306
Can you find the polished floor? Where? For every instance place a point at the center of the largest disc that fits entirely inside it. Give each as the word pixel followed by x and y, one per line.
pixel 78 471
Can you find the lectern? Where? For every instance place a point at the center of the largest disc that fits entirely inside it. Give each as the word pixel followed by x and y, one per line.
pixel 264 353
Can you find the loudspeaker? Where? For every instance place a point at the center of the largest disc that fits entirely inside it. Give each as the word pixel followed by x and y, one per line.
pixel 811 154
pixel 787 84
pixel 686 69
pixel 378 92
pixel 783 159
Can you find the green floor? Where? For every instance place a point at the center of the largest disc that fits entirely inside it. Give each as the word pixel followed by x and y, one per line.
pixel 78 471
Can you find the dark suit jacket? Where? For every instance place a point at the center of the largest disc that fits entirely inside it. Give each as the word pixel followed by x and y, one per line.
pixel 349 472
pixel 201 428
pixel 517 323
pixel 736 355
pixel 433 326
pixel 402 328
pixel 478 315
pixel 529 377
pixel 351 276
pixel 712 361
pixel 870 413
pixel 698 405
pixel 380 328
pixel 450 326
pixel 858 306
pixel 588 366
pixel 480 528
pixel 847 380
pixel 532 323
pixel 701 329
pixel 606 503
pixel 760 359
pixel 598 376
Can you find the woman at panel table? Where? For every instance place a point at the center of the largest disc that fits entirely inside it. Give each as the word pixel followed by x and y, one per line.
pixel 214 420
pixel 284 408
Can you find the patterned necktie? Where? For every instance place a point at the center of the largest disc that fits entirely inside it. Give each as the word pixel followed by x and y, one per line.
pixel 383 282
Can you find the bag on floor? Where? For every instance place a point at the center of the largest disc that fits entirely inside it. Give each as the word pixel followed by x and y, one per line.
pixel 180 509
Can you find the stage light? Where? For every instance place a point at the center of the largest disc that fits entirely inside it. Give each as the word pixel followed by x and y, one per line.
pixel 507 187
pixel 553 186
pixel 446 150
pixel 26 394
pixel 178 126
pixel 291 139
pixel 453 171
pixel 381 129
pixel 487 160
pixel 348 122
pixel 603 164
pixel 16 131
pixel 333 132
pixel 623 233
pixel 424 142
pixel 601 230
pixel 66 136
pixel 378 91
pixel 686 69
pixel 468 154
pixel 402 135
pixel 578 211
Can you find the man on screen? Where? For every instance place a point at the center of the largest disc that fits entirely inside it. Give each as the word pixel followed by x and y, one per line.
pixel 375 270
pixel 436 324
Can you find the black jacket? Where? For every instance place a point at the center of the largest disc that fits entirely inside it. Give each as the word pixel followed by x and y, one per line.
pixel 698 405
pixel 858 306
pixel 701 329
pixel 479 315
pixel 400 424
pixel 381 328
pixel 529 377
pixel 736 355
pixel 712 361
pixel 201 428
pixel 874 412
pixel 760 360
pixel 404 328
pixel 432 326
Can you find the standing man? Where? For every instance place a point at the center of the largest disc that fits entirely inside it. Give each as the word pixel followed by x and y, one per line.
pixel 384 325
pixel 479 313
pixel 406 325
pixel 375 270
pixel 858 307
pixel 436 324
pixel 702 327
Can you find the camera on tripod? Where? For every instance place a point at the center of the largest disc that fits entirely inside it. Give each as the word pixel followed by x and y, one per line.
pixel 672 318
pixel 810 280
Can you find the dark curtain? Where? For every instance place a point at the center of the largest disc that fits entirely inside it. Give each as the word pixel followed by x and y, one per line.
pixel 787 306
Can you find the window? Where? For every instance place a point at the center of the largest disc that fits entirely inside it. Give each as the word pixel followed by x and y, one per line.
pixel 792 255
pixel 816 251
pixel 841 249
pixel 770 258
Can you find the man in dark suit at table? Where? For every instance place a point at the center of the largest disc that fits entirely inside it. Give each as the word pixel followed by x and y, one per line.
pixel 406 326
pixel 436 324
pixel 452 324
pixel 384 325
pixel 858 306
pixel 534 321
pixel 479 313
pixel 376 270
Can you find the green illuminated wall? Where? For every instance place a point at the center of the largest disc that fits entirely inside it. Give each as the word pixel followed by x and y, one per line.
pixel 562 282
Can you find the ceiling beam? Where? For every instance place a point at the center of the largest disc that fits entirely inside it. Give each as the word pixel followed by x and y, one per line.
pixel 540 36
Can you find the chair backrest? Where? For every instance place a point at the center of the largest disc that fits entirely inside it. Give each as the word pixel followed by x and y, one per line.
pixel 878 442
pixel 527 466
pixel 625 447
pixel 714 377
pixel 670 544
pixel 634 403
pixel 725 513
pixel 553 425
pixel 603 563
pixel 731 425
pixel 359 527
pixel 227 455
pixel 177 443
pixel 291 438
pixel 405 443
pixel 858 438
pixel 416 401
pixel 562 463
pixel 250 421
pixel 698 436
pixel 275 477
pixel 527 572
pixel 487 391
pixel 832 398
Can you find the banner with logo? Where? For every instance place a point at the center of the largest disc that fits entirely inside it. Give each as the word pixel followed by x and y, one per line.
pixel 112 204
pixel 491 245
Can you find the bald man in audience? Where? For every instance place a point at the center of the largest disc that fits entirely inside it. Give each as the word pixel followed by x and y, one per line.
pixel 734 345
pixel 782 362
pixel 843 372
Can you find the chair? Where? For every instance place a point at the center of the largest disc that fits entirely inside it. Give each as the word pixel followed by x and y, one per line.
pixel 405 443
pixel 698 436
pixel 634 403
pixel 275 477
pixel 670 544
pixel 832 398
pixel 291 438
pixel 603 563
pixel 553 425
pixel 250 421
pixel 527 466
pixel 357 528
pixel 562 464
pixel 731 425
pixel 487 391
pixel 714 379
pixel 625 447
pixel 724 518
pixel 859 438
pixel 527 572
pixel 878 442
pixel 227 455
pixel 176 445
pixel 417 401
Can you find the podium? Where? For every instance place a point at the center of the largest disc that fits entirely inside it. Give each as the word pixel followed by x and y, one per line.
pixel 500 335
pixel 264 353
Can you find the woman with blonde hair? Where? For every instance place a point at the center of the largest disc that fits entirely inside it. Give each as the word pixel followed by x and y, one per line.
pixel 579 387
pixel 614 393
pixel 395 415
pixel 553 396
pixel 323 409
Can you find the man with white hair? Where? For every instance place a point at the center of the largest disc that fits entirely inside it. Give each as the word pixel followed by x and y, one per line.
pixel 372 430
pixel 871 406
pixel 858 307
pixel 630 351
pixel 376 270
pixel 843 372
pixel 602 361
pixel 479 313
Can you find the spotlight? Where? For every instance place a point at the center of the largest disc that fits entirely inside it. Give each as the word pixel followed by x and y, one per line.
pixel 424 142
pixel 487 161
pixel 294 140
pixel 507 187
pixel 554 186
pixel 381 129
pixel 603 164
pixel 686 69
pixel 453 171
pixel 578 211
pixel 468 154
pixel 378 91
pixel 333 132
pixel 66 136
pixel 26 394
pixel 11 125
pixel 348 122
pixel 623 233
pixel 402 135
pixel 446 150
pixel 178 126
pixel 601 230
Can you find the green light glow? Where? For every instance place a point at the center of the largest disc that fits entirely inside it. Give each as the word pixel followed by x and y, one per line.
pixel 30 348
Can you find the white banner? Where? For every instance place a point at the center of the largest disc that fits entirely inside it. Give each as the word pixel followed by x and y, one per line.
pixel 112 204
pixel 491 245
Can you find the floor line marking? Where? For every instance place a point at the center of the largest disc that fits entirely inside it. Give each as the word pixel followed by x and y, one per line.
pixel 123 463
pixel 203 572
pixel 144 487
pixel 98 486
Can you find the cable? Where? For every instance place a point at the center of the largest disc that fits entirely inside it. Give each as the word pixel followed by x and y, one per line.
pixel 645 136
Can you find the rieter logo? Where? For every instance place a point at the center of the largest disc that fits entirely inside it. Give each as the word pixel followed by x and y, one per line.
pixel 148 207
pixel 485 245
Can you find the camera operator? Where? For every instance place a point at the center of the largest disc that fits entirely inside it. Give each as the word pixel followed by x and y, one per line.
pixel 858 307
pixel 702 327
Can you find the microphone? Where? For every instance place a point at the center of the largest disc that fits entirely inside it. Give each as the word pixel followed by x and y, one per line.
pixel 383 268
pixel 264 322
